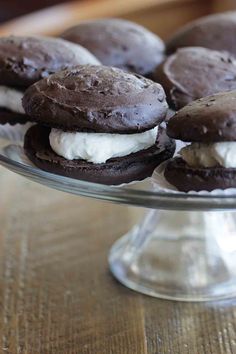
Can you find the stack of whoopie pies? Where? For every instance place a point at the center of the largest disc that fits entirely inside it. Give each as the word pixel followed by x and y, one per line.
pixel 209 162
pixel 98 124
pixel 25 60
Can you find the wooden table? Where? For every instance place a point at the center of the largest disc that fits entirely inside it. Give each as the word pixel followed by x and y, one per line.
pixel 57 295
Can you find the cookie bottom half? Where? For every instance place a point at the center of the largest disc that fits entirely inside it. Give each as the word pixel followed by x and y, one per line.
pixel 186 178
pixel 12 118
pixel 133 167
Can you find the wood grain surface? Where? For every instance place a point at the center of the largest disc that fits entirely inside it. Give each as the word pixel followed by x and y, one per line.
pixel 58 297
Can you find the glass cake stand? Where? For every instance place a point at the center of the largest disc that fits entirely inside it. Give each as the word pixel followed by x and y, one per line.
pixel 183 249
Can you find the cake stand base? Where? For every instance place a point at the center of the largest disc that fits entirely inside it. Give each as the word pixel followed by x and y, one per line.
pixel 186 256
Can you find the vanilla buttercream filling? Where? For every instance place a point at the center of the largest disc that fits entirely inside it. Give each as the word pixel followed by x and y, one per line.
pixel 11 99
pixel 99 147
pixel 210 155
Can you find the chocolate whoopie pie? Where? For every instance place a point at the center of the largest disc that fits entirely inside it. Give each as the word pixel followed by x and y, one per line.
pixel 98 124
pixel 214 32
pixel 25 60
pixel 209 162
pixel 195 72
pixel 119 43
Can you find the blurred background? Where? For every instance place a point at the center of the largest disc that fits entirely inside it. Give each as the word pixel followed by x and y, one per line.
pixel 15 8
pixel 160 16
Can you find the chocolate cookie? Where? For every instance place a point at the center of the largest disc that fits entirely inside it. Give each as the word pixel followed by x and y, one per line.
pixel 102 125
pixel 25 60
pixel 96 99
pixel 214 32
pixel 195 72
pixel 136 166
pixel 209 161
pixel 209 119
pixel 12 118
pixel 119 43
pixel 185 178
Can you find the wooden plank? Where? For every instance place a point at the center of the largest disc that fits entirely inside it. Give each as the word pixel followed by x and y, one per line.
pixel 54 20
pixel 56 293
pixel 189 328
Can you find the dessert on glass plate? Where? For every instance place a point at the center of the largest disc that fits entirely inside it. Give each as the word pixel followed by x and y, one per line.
pixel 209 162
pixel 98 124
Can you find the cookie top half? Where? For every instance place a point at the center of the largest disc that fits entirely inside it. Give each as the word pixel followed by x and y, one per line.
pixel 119 43
pixel 98 99
pixel 25 60
pixel 214 32
pixel 209 119
pixel 195 72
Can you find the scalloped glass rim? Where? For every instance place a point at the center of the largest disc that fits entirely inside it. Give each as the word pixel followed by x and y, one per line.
pixel 137 194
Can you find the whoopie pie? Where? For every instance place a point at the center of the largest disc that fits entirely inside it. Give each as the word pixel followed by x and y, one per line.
pixel 25 60
pixel 119 43
pixel 209 162
pixel 195 72
pixel 97 123
pixel 214 32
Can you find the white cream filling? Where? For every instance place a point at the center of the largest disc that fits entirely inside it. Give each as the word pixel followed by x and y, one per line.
pixel 210 155
pixel 99 147
pixel 11 99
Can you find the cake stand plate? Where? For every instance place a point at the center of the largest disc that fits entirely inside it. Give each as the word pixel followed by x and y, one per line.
pixel 183 249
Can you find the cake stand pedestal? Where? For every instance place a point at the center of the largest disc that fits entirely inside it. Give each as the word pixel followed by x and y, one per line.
pixel 179 255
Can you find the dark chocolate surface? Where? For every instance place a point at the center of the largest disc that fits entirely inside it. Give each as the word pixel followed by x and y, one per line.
pixel 209 119
pixel 25 60
pixel 125 169
pixel 119 43
pixel 12 118
pixel 195 72
pixel 96 98
pixel 186 178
